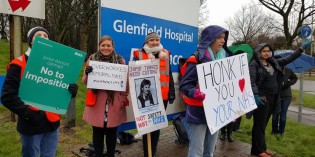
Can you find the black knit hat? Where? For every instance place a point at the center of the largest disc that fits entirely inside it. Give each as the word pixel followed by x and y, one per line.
pixel 31 33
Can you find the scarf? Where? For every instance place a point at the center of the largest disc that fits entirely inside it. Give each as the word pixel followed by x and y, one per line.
pixel 155 50
pixel 220 54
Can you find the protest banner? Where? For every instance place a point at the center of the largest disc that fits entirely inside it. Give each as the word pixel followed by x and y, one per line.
pixel 146 96
pixel 108 76
pixel 50 68
pixel 227 86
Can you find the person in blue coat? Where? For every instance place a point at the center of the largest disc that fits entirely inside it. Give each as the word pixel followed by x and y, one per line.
pixel 212 46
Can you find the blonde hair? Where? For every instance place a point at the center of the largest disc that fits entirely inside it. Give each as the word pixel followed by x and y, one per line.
pixel 106 37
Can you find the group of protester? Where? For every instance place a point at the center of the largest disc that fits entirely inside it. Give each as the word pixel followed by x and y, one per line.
pixel 267 80
pixel 105 109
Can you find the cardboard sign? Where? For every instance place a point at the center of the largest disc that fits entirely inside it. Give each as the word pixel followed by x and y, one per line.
pixel 146 96
pixel 229 95
pixel 108 76
pixel 50 68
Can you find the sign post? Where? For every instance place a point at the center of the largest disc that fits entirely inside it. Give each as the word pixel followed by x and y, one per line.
pixel 27 8
pixel 305 31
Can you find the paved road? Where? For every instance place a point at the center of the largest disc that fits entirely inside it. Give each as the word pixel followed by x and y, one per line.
pixel 168 148
pixel 308 115
pixel 308 86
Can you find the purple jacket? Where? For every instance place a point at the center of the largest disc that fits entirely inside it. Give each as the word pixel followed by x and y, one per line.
pixel 189 81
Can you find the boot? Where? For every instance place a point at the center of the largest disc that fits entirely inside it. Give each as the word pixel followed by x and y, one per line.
pixel 222 137
pixel 230 138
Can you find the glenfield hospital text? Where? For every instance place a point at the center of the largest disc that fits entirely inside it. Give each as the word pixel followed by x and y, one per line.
pixel 121 26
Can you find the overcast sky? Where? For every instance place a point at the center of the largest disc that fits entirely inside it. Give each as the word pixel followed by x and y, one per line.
pixel 220 10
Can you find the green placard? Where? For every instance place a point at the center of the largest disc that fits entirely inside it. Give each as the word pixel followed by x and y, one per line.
pixel 50 68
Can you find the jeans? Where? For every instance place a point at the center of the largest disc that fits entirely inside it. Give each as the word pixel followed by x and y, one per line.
pixel 201 142
pixel 44 144
pixel 278 126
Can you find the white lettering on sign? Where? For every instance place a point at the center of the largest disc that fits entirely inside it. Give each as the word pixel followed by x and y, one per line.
pixel 121 26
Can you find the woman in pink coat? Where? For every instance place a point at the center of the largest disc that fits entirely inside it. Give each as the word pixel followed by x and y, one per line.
pixel 105 109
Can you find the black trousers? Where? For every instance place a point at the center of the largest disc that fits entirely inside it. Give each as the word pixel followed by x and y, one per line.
pixel 98 140
pixel 261 117
pixel 237 123
pixel 155 135
pixel 227 129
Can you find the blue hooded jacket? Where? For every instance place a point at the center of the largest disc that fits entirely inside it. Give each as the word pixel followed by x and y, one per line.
pixel 196 114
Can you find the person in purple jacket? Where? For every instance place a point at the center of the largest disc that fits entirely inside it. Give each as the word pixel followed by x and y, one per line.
pixel 212 46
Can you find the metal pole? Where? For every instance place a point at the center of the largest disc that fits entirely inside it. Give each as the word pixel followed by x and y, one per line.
pixel 301 97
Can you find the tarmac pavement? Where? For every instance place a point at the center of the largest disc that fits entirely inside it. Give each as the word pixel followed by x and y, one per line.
pixel 168 148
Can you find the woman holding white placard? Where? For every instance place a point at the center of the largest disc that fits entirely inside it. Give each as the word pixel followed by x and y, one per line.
pixel 105 109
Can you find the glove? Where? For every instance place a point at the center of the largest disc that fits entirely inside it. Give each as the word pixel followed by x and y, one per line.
pixel 306 44
pixel 126 102
pixel 199 95
pixel 170 101
pixel 249 114
pixel 88 69
pixel 73 89
pixel 258 100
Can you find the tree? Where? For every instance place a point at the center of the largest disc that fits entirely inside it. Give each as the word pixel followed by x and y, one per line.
pixel 203 16
pixel 87 18
pixel 248 24
pixel 293 14
pixel 4 21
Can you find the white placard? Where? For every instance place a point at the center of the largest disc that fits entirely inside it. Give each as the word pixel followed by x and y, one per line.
pixel 146 96
pixel 28 8
pixel 108 76
pixel 227 86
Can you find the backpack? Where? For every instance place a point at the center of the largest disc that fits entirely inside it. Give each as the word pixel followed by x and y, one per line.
pixel 179 125
pixel 125 138
pixel 182 63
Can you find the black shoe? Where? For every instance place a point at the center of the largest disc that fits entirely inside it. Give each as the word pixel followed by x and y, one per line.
pixel 222 137
pixel 230 138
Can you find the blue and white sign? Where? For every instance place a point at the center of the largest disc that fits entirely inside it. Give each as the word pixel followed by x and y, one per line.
pixel 306 31
pixel 128 23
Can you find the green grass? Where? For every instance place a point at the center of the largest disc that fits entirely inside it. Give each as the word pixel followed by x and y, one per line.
pixel 307 101
pixel 5 55
pixel 307 76
pixel 298 140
